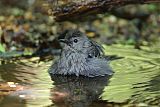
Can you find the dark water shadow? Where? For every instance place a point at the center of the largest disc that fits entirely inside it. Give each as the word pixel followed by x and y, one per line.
pixel 24 85
pixel 18 73
pixel 72 91
pixel 13 101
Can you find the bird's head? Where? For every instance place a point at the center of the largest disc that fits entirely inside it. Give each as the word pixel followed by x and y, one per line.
pixel 74 39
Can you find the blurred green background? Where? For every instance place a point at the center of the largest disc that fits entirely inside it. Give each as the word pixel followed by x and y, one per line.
pixel 26 26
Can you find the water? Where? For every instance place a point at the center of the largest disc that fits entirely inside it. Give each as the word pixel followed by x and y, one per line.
pixel 136 82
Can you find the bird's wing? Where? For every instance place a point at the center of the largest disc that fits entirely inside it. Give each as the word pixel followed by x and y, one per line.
pixel 96 67
pixel 93 49
pixel 97 49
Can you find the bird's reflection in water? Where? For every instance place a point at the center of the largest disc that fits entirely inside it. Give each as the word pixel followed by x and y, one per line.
pixel 72 91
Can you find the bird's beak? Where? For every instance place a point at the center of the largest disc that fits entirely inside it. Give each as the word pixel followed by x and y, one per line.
pixel 63 41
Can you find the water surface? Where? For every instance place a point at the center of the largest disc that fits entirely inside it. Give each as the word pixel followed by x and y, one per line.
pixel 136 82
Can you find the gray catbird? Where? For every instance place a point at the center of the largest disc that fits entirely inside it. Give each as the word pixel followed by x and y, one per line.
pixel 80 56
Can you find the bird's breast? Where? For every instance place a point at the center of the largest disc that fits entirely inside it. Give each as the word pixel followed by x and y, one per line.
pixel 72 62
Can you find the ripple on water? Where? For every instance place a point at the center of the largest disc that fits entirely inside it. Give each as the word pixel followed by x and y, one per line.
pixel 136 80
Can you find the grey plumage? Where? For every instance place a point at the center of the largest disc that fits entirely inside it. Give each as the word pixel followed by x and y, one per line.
pixel 80 56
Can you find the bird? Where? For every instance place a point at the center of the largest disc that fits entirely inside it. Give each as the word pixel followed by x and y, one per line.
pixel 80 56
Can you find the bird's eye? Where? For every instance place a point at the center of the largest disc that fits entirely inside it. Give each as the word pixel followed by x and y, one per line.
pixel 75 40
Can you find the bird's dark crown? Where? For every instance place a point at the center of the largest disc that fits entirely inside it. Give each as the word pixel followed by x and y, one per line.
pixel 73 33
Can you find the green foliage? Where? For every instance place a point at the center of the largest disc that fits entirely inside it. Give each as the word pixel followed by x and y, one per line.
pixel 2 48
pixel 152 7
pixel 17 12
